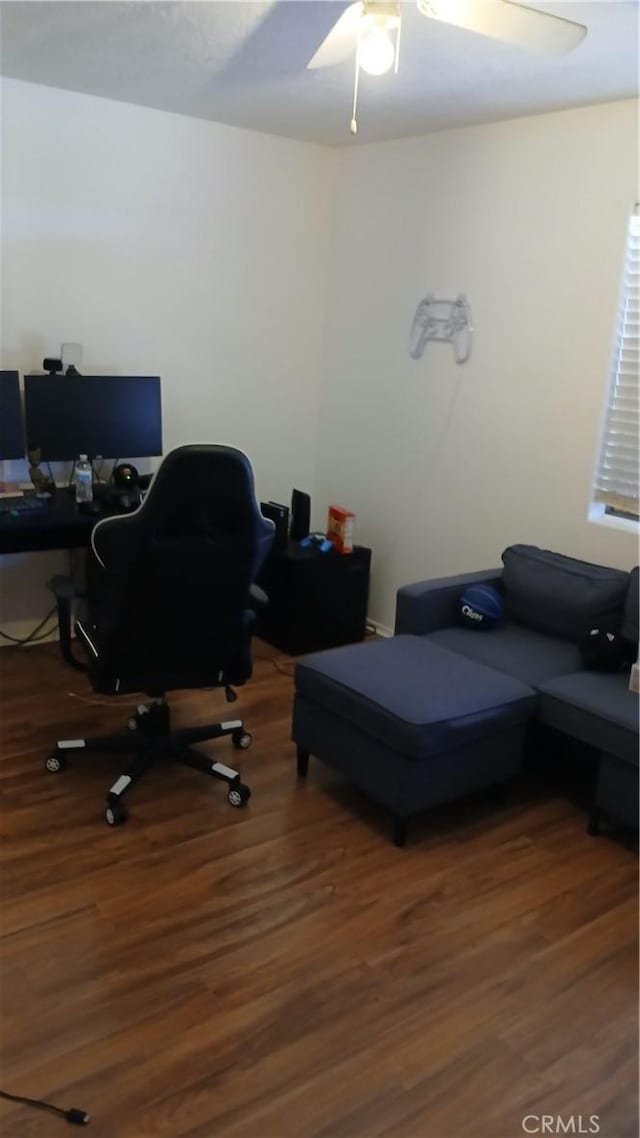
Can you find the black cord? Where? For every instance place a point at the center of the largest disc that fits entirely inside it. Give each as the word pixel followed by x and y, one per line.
pixel 33 637
pixel 276 664
pixel 77 1117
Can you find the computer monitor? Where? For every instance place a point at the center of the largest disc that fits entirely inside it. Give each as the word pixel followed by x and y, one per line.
pixel 114 416
pixel 11 428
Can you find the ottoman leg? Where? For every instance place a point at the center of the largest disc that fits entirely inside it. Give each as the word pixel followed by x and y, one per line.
pixel 303 762
pixel 399 831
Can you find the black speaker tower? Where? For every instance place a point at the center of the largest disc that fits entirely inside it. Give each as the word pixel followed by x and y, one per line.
pixel 300 515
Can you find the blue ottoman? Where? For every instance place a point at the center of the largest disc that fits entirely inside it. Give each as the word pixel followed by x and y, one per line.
pixel 409 722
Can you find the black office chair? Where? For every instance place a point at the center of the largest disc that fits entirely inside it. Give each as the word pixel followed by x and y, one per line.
pixel 170 603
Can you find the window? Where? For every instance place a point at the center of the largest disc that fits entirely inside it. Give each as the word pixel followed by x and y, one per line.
pixel 616 487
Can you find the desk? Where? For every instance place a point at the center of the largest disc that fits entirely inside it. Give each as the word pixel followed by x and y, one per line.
pixel 316 600
pixel 59 525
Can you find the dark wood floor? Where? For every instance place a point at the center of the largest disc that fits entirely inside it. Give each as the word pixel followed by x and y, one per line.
pixel 283 971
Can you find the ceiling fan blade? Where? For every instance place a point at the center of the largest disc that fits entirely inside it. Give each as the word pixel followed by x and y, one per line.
pixel 342 39
pixel 513 23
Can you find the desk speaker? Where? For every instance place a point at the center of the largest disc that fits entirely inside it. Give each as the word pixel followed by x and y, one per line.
pixel 300 515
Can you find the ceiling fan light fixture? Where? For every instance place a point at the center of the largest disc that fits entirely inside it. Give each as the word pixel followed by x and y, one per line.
pixel 376 53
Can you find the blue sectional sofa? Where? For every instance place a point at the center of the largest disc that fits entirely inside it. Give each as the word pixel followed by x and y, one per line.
pixel 557 600
pixel 442 708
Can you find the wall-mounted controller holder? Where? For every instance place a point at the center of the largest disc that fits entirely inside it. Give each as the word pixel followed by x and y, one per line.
pixel 447 321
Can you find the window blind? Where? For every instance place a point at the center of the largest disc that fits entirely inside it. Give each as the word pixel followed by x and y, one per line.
pixel 618 475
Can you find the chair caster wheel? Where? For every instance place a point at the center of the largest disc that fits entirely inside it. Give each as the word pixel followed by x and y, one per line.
pixel 55 762
pixel 238 795
pixel 241 740
pixel 116 814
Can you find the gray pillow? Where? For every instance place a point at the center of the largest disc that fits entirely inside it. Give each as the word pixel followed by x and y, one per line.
pixel 561 596
pixel 631 621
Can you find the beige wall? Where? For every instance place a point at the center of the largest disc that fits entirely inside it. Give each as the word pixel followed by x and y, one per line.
pixel 169 246
pixel 272 285
pixel 445 465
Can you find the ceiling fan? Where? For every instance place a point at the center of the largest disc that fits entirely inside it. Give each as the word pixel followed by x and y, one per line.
pixel 371 30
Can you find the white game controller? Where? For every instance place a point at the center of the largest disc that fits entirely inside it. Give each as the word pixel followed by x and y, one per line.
pixel 448 321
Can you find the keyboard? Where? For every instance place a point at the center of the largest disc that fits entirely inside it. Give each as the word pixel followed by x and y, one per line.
pixel 22 504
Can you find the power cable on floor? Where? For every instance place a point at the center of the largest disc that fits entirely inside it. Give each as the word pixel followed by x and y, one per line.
pixel 73 1115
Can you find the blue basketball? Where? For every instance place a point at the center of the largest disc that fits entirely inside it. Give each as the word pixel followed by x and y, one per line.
pixel 481 607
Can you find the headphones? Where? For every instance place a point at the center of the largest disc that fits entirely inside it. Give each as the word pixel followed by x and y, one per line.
pixel 125 475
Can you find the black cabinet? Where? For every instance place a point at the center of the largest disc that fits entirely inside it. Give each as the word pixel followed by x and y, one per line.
pixel 316 600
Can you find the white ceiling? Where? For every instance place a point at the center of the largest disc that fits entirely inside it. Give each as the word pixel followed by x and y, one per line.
pixel 244 63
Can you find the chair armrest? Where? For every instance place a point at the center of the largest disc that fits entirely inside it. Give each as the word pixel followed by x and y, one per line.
pixel 64 588
pixel 65 591
pixel 429 605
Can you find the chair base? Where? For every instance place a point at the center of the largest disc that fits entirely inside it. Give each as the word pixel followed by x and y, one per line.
pixel 150 739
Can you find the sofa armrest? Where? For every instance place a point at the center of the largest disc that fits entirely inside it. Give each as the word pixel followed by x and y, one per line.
pixel 429 605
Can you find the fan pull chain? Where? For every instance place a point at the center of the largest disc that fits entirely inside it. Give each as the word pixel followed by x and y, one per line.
pixel 353 126
pixel 397 58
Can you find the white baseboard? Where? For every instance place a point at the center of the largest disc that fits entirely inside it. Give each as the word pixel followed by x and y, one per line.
pixel 380 629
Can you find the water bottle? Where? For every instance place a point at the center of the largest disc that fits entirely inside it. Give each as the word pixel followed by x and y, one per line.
pixel 84 480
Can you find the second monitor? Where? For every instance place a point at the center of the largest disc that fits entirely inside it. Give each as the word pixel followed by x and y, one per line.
pixel 117 416
pixel 11 430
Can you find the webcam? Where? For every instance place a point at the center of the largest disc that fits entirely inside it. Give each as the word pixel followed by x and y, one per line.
pixel 68 361
pixel 51 365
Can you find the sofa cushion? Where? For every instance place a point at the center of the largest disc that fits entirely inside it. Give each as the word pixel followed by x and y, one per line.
pixel 520 652
pixel 412 695
pixel 631 619
pixel 561 596
pixel 598 709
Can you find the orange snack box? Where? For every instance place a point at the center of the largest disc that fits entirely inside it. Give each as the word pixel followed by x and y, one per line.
pixel 340 528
